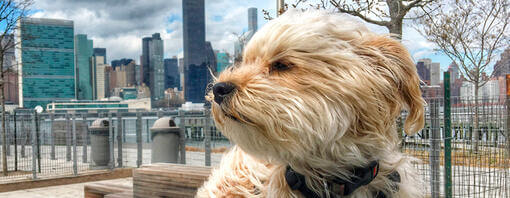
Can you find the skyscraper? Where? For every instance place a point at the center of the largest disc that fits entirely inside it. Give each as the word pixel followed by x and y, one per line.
pixel 453 68
pixel 101 83
pixel 84 69
pixel 100 52
pixel 223 61
pixel 152 66
pixel 156 67
pixel 145 62
pixel 502 67
pixel 172 77
pixel 121 62
pixel 252 19
pixel 428 71
pixel 435 74
pixel 245 37
pixel 46 49
pixel 210 58
pixel 196 72
pixel 423 72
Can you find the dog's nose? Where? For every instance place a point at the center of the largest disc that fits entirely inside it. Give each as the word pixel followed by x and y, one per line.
pixel 221 90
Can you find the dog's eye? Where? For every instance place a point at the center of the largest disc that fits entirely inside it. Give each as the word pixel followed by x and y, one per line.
pixel 279 66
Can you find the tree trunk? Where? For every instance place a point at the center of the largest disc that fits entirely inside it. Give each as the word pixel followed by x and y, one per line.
pixel 395 28
pixel 396 19
pixel 2 101
pixel 476 135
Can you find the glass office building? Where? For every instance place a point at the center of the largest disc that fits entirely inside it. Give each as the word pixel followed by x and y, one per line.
pixel 85 71
pixel 222 61
pixel 172 77
pixel 46 57
pixel 197 54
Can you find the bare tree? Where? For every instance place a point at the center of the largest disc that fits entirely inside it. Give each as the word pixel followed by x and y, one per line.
pixel 11 11
pixel 387 13
pixel 471 33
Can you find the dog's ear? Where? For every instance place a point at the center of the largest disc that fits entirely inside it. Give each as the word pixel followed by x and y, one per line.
pixel 394 57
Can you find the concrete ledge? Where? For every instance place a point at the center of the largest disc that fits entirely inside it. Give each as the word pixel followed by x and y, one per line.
pixel 86 177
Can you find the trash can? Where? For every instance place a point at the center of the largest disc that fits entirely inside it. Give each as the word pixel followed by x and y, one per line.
pixel 165 141
pixel 100 141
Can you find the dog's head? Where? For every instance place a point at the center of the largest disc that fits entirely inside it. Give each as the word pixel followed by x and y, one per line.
pixel 316 84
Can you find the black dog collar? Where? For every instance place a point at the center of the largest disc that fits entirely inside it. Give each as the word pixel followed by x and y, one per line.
pixel 361 176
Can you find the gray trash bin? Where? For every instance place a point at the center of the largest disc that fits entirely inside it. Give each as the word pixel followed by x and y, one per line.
pixel 99 142
pixel 165 141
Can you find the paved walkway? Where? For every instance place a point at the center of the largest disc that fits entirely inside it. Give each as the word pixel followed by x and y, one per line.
pixel 76 190
pixel 64 191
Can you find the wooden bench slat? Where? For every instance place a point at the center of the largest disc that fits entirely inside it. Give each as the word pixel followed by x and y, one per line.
pixel 168 180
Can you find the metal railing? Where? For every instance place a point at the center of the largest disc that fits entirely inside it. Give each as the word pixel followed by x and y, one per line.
pixel 53 144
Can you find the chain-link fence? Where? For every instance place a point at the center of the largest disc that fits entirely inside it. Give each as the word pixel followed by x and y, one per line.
pixel 463 150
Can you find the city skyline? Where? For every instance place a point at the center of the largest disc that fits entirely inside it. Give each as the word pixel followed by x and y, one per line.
pixel 120 33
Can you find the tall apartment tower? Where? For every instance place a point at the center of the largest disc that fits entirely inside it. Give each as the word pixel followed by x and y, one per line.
pixel 100 52
pixel 435 74
pixel 196 74
pixel 83 49
pixel 429 71
pixel 252 28
pixel 252 19
pixel 101 83
pixel 45 54
pixel 152 67
pixel 145 61
pixel 157 69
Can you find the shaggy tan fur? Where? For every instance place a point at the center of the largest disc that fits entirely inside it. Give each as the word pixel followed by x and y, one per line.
pixel 333 109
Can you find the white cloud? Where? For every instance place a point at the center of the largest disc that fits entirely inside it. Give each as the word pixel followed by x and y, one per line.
pixel 119 25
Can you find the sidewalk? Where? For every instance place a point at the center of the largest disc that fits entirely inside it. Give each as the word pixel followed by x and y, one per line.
pixel 64 191
pixel 76 190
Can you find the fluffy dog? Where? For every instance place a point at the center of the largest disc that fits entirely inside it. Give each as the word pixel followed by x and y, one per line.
pixel 316 94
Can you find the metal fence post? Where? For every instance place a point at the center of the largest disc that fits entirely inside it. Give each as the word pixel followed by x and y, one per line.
pixel 120 131
pixel 434 148
pixel 8 134
pixel 447 137
pixel 15 144
pixel 52 136
pixel 207 139
pixel 75 158
pixel 34 149
pixel 124 130
pixel 110 137
pixel 147 130
pixel 138 139
pixel 182 137
pixel 85 140
pixel 68 138
pixel 38 142
pixel 23 135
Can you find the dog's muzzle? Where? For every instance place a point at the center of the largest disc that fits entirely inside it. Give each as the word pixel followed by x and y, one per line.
pixel 223 90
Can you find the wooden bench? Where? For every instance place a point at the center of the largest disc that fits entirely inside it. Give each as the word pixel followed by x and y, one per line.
pixel 103 190
pixel 125 194
pixel 168 180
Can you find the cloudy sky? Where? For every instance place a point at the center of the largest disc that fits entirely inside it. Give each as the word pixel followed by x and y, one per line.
pixel 119 25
